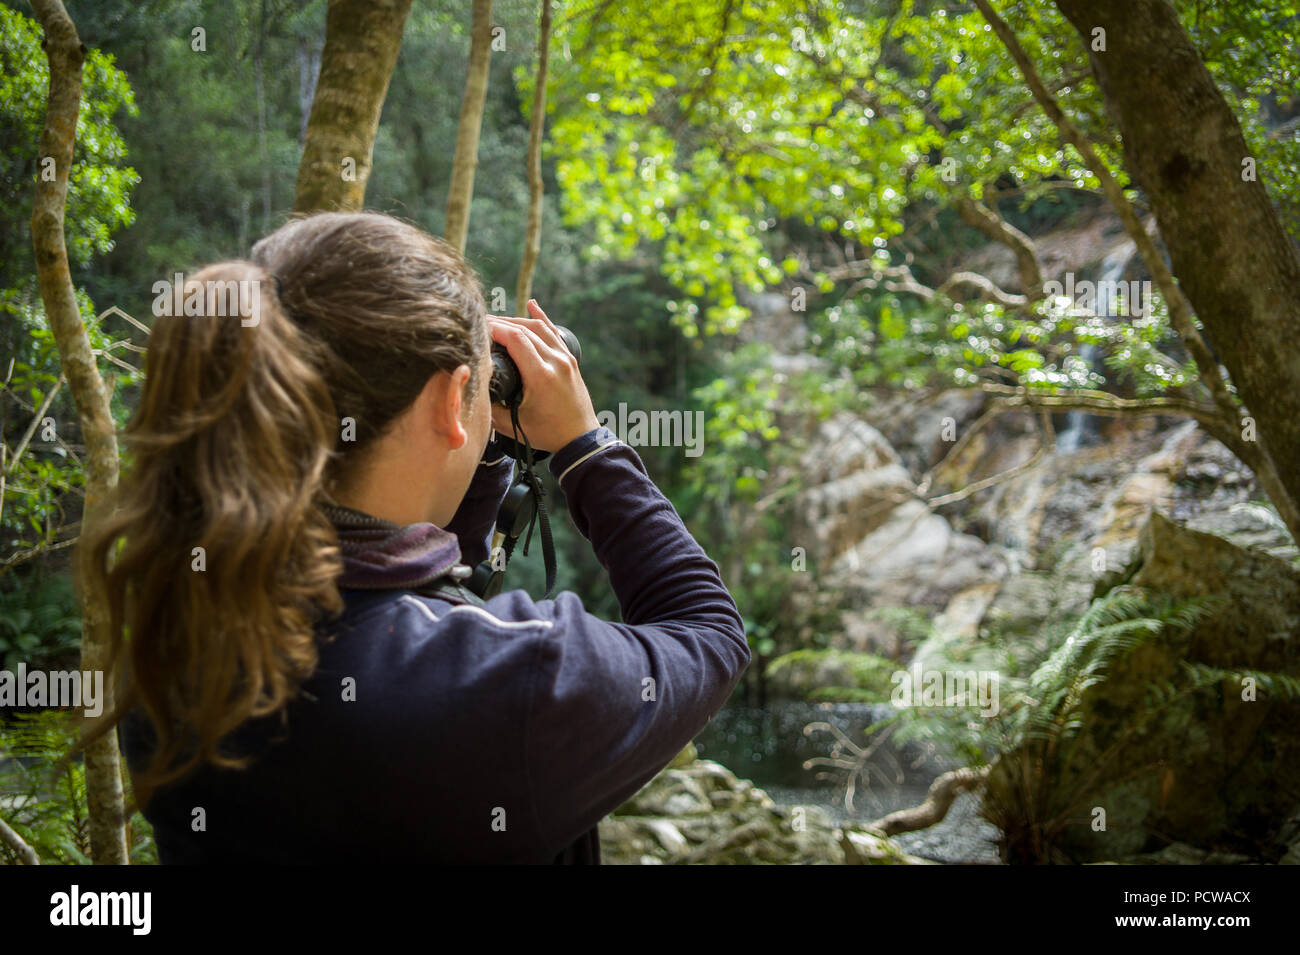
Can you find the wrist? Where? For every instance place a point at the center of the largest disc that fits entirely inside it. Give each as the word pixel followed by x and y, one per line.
pixel 582 447
pixel 581 429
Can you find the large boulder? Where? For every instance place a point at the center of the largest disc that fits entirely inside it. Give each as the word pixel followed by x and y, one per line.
pixel 1217 769
pixel 876 545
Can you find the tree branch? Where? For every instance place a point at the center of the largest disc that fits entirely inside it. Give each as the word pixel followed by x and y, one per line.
pixel 1180 313
pixel 988 289
pixel 26 854
pixel 992 225
pixel 1046 443
pixel 31 428
pixel 943 791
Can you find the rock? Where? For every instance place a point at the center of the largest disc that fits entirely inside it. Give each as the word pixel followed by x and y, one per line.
pixel 853 481
pixel 699 812
pixel 674 792
pixel 922 433
pixel 1025 601
pixel 962 616
pixel 798 675
pixel 687 756
pixel 1287 841
pixel 1149 487
pixel 874 542
pixel 1211 769
pixel 914 560
pixel 865 848
pixel 1180 853
pixel 668 835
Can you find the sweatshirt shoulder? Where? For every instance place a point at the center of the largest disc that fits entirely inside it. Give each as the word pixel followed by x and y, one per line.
pixel 421 614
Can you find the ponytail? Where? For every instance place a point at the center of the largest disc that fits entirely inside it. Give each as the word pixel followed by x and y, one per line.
pixel 216 558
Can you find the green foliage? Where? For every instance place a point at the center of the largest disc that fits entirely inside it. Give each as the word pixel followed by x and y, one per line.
pixel 1041 695
pixel 733 143
pixel 868 674
pixel 745 119
pixel 1278 687
pixel 100 183
pixel 42 491
pixel 44 801
pixel 40 623
pixel 1253 52
pixel 739 491
pixel 1051 709
pixel 37 503
pixel 745 400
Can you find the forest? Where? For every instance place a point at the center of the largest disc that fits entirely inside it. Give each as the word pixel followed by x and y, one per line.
pixel 959 333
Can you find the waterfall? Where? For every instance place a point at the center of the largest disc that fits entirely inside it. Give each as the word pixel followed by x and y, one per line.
pixel 1080 427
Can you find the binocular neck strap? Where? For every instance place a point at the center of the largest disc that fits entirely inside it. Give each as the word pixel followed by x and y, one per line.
pixel 528 475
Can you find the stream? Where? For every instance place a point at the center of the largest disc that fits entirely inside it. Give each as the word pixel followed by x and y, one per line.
pixel 767 745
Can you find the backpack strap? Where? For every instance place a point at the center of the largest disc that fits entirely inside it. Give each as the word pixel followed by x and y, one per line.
pixel 444 588
pixel 451 590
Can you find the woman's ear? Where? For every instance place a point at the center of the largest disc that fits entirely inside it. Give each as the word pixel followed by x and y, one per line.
pixel 444 395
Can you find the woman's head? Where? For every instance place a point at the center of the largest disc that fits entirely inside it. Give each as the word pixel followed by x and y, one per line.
pixel 216 556
pixel 385 306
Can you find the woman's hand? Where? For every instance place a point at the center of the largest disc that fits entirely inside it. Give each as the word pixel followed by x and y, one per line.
pixel 556 406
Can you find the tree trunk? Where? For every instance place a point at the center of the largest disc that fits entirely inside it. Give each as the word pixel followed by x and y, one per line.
pixel 461 192
pixel 1235 261
pixel 362 39
pixel 65 54
pixel 533 234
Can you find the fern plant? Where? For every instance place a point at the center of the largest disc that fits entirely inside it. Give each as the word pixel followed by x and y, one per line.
pixel 1034 790
pixel 1031 795
pixel 44 800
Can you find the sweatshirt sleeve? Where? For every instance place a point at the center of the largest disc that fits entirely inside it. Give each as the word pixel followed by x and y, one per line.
pixel 612 703
pixel 476 517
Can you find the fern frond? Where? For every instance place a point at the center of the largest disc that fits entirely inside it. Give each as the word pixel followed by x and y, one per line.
pixel 1271 685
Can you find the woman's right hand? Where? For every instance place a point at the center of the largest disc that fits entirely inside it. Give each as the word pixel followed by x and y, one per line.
pixel 556 407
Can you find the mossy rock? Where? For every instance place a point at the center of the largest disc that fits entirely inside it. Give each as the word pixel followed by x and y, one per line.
pixel 1209 770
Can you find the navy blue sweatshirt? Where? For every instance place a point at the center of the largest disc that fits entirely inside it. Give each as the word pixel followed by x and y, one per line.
pixel 500 733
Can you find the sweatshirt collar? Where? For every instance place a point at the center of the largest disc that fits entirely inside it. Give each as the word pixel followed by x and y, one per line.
pixel 380 555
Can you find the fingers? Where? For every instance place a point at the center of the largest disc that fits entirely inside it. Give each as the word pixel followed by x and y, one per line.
pixel 541 326
pixel 535 311
pixel 521 342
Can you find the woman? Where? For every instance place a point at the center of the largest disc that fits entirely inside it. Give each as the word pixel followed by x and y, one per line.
pixel 304 680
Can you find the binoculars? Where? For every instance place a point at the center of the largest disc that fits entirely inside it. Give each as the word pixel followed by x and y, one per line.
pixel 506 386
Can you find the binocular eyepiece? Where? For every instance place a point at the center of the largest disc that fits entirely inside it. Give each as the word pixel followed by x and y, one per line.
pixel 506 386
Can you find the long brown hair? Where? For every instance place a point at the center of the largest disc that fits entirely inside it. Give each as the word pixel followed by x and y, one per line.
pixel 216 557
